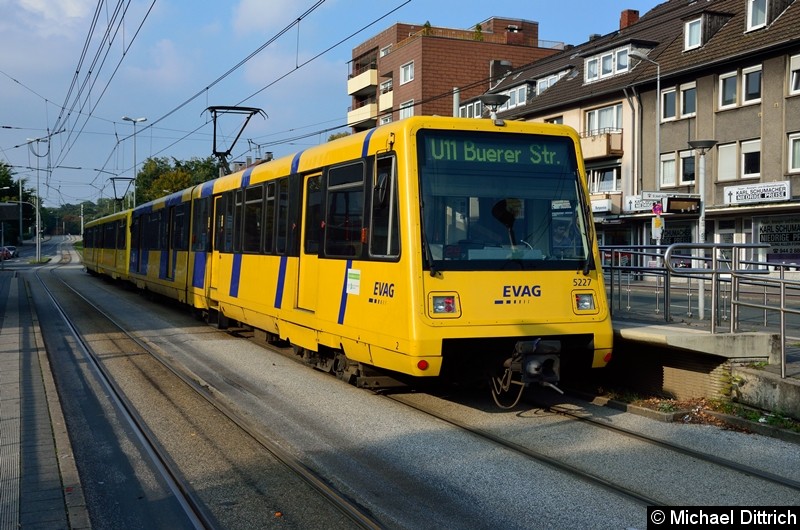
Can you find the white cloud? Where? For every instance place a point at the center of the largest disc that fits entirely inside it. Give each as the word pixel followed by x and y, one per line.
pixel 257 16
pixel 167 68
pixel 47 18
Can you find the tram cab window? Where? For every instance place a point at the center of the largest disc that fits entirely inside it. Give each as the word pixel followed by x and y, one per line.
pixel 489 200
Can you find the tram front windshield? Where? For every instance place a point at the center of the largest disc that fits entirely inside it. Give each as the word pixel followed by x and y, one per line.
pixel 500 201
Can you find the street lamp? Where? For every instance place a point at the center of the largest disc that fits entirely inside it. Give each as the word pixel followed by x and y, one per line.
pixel 37 236
pixel 134 121
pixel 702 146
pixel 493 101
pixel 642 57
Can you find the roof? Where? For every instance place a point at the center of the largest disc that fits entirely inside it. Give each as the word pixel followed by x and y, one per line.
pixel 658 34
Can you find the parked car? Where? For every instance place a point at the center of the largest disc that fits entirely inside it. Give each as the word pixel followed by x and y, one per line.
pixel 13 250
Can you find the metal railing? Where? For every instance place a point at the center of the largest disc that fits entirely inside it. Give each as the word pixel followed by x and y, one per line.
pixel 652 279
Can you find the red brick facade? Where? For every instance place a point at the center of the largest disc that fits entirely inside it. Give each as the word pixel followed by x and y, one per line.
pixel 446 58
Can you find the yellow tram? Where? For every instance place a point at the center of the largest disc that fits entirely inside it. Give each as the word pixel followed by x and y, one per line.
pixel 431 246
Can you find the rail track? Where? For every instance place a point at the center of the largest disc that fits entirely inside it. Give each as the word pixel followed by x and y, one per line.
pixel 148 367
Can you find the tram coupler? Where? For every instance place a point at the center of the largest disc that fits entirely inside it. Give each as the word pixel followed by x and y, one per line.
pixel 538 361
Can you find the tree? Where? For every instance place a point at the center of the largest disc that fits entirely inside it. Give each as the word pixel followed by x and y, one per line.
pixel 338 135
pixel 171 181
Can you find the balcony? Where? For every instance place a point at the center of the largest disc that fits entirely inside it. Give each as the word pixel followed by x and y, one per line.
pixel 364 115
pixel 386 100
pixel 601 143
pixel 363 83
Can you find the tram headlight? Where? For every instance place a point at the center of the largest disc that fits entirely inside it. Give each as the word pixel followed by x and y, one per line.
pixel 444 305
pixel 584 302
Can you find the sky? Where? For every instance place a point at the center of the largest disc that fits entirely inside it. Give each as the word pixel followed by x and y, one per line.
pixel 71 69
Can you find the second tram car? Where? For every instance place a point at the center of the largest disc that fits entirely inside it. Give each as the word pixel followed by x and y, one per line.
pixel 431 246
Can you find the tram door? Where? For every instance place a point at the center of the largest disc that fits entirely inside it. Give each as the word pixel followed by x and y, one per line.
pixel 308 281
pixel 222 220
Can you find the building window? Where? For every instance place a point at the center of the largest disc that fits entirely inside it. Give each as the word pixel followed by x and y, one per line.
pixel 794 75
pixel 667 170
pixel 622 60
pixel 605 65
pixel 688 100
pixel 727 90
pixel 407 109
pixel 605 179
pixel 556 119
pixel 386 86
pixel 407 73
pixel 383 120
pixel 601 120
pixel 471 110
pixel 386 50
pixel 756 14
pixel 751 159
pixel 751 85
pixel 726 162
pixel 692 34
pixel 794 153
pixel 668 104
pixel 592 73
pixel 687 167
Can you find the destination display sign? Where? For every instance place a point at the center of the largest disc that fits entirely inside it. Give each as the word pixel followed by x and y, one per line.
pixel 542 152
pixel 755 193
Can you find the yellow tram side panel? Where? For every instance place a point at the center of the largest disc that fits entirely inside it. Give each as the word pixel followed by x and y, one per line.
pixel 171 278
pixel 254 301
pixel 196 297
pixel 111 262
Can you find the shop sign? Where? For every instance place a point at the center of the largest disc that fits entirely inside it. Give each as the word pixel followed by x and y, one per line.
pixel 782 234
pixel 754 193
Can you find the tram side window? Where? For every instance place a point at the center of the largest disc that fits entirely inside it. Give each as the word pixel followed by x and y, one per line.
pixel 345 210
pixel 123 225
pixel 313 216
pixel 238 221
pixel 163 229
pixel 200 225
pixel 109 236
pixel 152 231
pixel 385 232
pixel 180 228
pixel 282 237
pixel 136 233
pixel 269 218
pixel 253 215
pixel 223 242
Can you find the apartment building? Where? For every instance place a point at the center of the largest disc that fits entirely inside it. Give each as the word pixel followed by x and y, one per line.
pixel 722 72
pixel 409 69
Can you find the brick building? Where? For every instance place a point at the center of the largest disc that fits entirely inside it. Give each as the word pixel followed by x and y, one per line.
pixel 412 69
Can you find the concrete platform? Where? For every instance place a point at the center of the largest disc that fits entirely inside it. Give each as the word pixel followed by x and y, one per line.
pixel 754 377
